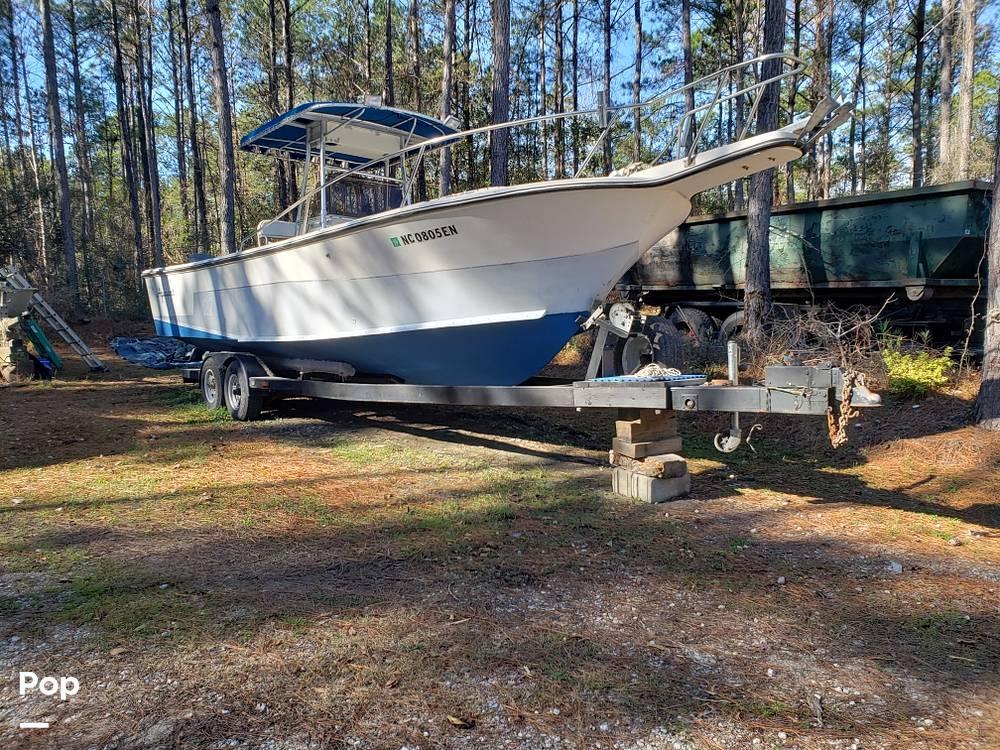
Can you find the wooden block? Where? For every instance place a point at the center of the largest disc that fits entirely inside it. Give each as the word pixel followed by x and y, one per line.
pixel 646 448
pixel 647 428
pixel 650 489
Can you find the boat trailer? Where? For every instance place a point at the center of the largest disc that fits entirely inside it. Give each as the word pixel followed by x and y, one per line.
pixel 646 444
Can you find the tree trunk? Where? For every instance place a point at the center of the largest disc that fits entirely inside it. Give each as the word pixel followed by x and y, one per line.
pixel 852 155
pixel 828 138
pixel 470 141
pixel 824 29
pixel 413 52
pixel 688 60
pixel 62 172
pixel 272 96
pixel 448 53
pixel 227 162
pixel 499 139
pixel 637 85
pixel 148 139
pixel 575 65
pixel 946 55
pixel 41 237
pixel 739 36
pixel 125 125
pixel 885 125
pixel 197 168
pixel 82 148
pixel 757 293
pixel 416 94
pixel 368 45
pixel 558 95
pixel 606 23
pixel 542 87
pixel 388 89
pixel 918 76
pixel 966 87
pixel 793 92
pixel 988 403
pixel 178 97
pixel 287 31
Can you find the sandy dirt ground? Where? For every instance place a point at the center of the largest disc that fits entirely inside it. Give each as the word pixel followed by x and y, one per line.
pixel 342 576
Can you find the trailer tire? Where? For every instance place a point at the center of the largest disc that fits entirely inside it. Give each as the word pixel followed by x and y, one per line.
pixel 243 403
pixel 210 382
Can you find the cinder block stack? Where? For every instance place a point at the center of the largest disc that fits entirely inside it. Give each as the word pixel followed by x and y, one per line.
pixel 645 458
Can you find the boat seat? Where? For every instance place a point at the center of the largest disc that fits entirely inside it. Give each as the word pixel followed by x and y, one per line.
pixel 332 220
pixel 273 229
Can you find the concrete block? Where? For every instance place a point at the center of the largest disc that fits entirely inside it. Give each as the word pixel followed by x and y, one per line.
pixel 649 489
pixel 647 448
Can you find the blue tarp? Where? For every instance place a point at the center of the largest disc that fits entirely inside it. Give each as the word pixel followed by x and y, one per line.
pixel 158 352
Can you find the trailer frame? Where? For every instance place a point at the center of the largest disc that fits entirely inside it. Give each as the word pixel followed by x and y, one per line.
pixel 802 390
pixel 644 451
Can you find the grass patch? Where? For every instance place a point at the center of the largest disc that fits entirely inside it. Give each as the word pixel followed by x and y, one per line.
pixel 178 396
pixel 737 544
pixel 364 453
pixel 765 709
pixel 932 626
pixel 187 407
pixel 295 623
pixel 124 608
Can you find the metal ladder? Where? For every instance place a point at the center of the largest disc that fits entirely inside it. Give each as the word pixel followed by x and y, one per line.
pixel 55 321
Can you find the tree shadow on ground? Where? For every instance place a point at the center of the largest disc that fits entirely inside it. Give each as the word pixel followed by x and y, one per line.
pixel 537 586
pixel 798 461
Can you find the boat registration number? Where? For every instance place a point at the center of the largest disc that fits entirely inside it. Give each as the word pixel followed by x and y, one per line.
pixel 448 230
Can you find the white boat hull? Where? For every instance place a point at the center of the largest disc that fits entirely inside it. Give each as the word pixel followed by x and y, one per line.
pixel 480 288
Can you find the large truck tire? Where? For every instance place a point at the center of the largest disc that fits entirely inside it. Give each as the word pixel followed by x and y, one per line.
pixel 695 325
pixel 731 327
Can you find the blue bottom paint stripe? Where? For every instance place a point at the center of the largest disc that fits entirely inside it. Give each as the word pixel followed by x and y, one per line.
pixel 490 354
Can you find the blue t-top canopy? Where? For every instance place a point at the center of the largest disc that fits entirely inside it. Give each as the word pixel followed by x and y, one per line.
pixel 354 133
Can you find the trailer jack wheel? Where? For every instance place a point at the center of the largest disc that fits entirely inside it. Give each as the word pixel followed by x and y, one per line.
pixel 243 403
pixel 727 442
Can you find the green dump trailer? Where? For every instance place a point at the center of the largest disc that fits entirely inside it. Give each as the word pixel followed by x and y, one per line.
pixel 921 247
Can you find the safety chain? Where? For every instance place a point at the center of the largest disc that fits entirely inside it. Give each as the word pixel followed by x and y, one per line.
pixel 837 422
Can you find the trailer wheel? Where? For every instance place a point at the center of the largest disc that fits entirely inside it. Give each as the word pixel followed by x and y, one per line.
pixel 244 404
pixel 210 381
